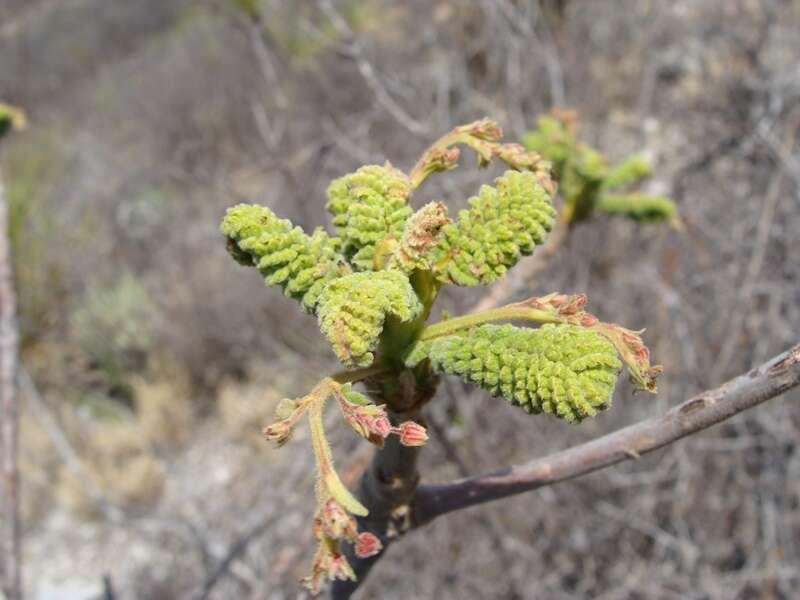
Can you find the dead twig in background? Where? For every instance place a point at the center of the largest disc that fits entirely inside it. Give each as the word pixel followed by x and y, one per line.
pixel 369 74
pixel 65 449
pixel 744 298
pixel 235 551
pixel 9 342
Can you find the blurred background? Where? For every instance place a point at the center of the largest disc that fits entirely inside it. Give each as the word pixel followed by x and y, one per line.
pixel 151 360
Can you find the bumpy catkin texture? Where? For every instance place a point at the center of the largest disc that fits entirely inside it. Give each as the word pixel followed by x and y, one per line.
pixel 368 207
pixel 353 308
pixel 563 370
pixel 302 265
pixel 502 224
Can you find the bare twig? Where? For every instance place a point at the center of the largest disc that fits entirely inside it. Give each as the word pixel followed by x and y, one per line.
pixel 65 449
pixel 9 342
pixel 108 588
pixel 526 21
pixel 235 551
pixel 743 299
pixel 704 410
pixel 370 75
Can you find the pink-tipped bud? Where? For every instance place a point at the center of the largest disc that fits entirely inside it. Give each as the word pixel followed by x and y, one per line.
pixel 450 155
pixel 412 434
pixel 574 304
pixel 279 431
pixel 367 545
pixel 485 129
pixel 587 320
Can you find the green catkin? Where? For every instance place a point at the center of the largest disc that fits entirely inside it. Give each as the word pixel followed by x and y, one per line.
pixel 502 224
pixel 353 308
pixel 627 172
pixel 301 264
pixel 563 370
pixel 552 140
pixel 587 181
pixel 639 207
pixel 369 207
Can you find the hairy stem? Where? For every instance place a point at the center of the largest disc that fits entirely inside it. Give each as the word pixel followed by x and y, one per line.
pixel 434 154
pixel 329 479
pixel 354 375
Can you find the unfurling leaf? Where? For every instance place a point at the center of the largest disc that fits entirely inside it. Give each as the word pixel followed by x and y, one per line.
pixel 638 207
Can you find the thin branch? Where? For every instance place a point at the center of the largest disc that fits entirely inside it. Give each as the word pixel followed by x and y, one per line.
pixel 771 379
pixel 369 74
pixel 9 346
pixel 64 449
pixel 234 552
pixel 744 296
pixel 108 588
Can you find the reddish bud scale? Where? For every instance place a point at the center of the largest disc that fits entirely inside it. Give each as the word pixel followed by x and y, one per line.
pixel 411 433
pixel 367 545
pixel 369 420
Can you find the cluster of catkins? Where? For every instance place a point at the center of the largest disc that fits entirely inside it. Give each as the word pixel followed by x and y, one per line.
pixel 588 182
pixel 357 279
pixel 372 284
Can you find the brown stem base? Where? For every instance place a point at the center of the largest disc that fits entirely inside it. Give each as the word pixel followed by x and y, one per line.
pixel 387 488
